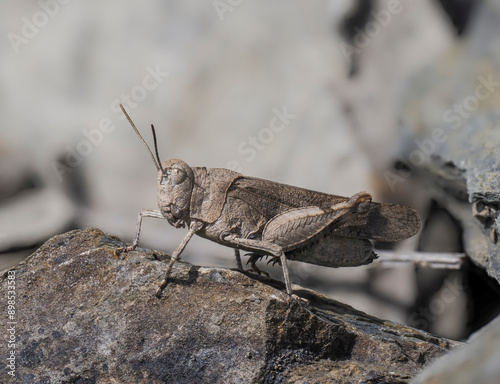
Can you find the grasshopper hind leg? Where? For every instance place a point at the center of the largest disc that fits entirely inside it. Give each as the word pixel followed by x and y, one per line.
pixel 265 247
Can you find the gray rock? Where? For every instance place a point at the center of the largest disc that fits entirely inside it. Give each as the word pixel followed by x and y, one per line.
pixel 451 130
pixel 85 315
pixel 476 363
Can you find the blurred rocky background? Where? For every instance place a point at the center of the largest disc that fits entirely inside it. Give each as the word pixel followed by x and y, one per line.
pixel 357 85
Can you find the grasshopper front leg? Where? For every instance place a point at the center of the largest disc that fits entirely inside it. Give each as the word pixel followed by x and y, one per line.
pixel 193 228
pixel 144 213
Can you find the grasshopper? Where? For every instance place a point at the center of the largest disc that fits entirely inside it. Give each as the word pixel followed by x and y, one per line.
pixel 266 218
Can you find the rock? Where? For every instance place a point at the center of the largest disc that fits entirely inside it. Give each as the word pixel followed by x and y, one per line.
pixel 85 315
pixel 451 130
pixel 476 363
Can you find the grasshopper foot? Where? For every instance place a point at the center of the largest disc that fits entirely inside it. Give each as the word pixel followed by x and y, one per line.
pixel 119 251
pixel 160 289
pixel 254 257
pixel 299 299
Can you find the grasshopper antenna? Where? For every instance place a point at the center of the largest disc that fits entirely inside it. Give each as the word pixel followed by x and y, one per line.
pixel 157 165
pixel 156 147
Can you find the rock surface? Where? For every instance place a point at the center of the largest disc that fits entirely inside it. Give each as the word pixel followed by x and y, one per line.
pixel 476 363
pixel 84 315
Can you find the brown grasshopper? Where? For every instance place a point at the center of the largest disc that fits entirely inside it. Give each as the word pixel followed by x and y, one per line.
pixel 271 219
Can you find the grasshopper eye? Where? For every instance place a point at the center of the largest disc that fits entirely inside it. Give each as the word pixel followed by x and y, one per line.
pixel 177 175
pixel 173 176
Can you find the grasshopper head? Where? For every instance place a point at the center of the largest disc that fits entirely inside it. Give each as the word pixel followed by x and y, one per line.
pixel 175 185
